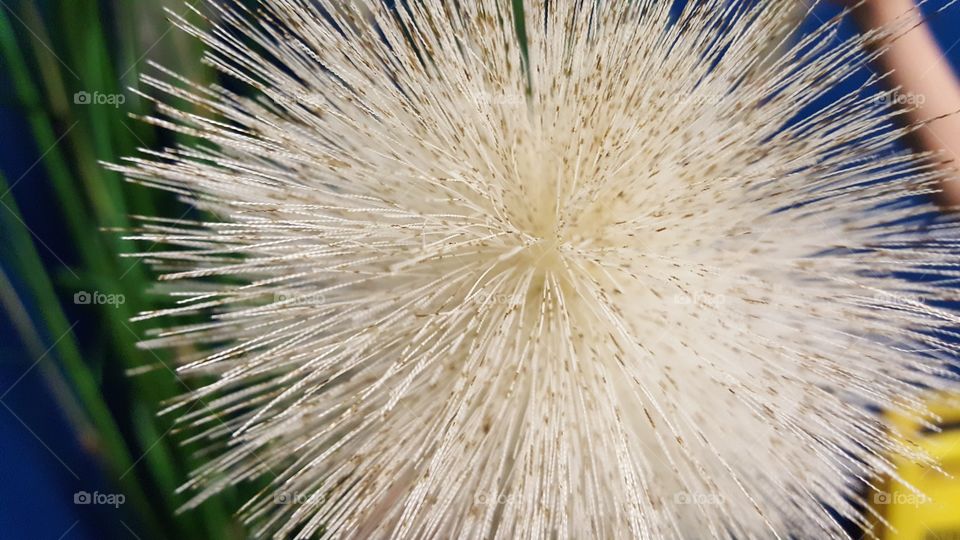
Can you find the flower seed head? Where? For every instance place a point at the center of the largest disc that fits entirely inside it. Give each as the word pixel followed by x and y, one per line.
pixel 575 270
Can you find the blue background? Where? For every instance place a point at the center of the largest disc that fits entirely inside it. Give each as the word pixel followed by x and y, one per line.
pixel 36 489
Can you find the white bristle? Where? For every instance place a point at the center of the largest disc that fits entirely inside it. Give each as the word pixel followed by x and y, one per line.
pixel 644 282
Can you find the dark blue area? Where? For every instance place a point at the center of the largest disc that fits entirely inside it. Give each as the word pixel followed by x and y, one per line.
pixel 36 489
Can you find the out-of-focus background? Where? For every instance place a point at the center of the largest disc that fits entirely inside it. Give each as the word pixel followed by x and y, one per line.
pixel 83 453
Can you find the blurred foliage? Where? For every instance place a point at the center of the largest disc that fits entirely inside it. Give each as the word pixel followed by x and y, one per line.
pixel 58 57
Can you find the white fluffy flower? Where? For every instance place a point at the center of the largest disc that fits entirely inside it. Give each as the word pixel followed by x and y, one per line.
pixel 624 276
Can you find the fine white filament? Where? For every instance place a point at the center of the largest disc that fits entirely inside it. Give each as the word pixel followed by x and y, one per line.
pixel 585 269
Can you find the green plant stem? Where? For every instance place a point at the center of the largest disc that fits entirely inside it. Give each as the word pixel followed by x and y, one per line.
pixel 109 441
